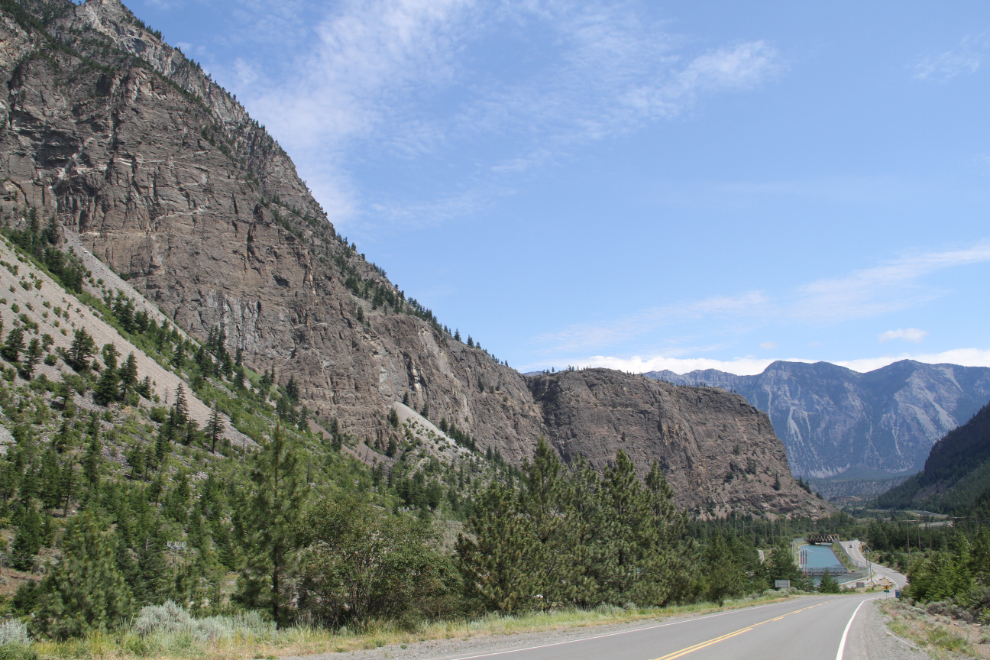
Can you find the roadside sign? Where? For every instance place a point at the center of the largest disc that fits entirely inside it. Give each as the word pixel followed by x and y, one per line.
pixel 781 584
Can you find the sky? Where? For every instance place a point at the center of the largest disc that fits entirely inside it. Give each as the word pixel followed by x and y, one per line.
pixel 640 185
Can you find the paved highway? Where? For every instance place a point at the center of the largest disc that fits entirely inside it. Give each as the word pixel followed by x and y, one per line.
pixel 856 552
pixel 810 628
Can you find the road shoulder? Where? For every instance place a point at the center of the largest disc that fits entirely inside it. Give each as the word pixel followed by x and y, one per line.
pixel 875 641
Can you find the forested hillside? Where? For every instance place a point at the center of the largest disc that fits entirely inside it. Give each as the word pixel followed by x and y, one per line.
pixel 956 474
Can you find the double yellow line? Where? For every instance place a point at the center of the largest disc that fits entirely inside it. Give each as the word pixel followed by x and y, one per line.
pixel 716 640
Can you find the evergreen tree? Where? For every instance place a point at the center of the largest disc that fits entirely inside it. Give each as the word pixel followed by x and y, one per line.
pixel 107 389
pixel 497 563
pixel 34 353
pixel 85 591
pixel 129 374
pixel 828 584
pixel 27 542
pixel 215 428
pixel 239 378
pixel 547 502
pixel 81 350
pixel 292 390
pixel 276 509
pixel 179 357
pixel 723 575
pixel 93 460
pixel 180 409
pixel 14 345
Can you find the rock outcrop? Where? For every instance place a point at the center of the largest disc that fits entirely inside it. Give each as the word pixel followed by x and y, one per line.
pixel 161 174
pixel 719 453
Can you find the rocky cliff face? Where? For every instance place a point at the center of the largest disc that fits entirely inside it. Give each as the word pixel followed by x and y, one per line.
pixel 835 421
pixel 156 170
pixel 718 452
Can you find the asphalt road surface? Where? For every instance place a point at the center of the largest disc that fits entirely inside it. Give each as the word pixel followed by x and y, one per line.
pixel 811 628
pixel 856 552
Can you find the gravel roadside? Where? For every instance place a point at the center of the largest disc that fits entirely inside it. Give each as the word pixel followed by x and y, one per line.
pixel 871 639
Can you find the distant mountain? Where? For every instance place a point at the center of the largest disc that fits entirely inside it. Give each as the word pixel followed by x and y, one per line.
pixel 835 421
pixel 956 473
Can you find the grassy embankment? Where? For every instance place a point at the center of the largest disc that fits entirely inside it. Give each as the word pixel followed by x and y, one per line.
pixel 936 635
pixel 266 642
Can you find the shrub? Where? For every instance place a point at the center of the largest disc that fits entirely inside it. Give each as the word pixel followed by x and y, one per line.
pixel 171 619
pixel 14 632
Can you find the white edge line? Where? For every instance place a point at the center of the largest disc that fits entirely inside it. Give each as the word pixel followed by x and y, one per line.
pixel 615 634
pixel 845 633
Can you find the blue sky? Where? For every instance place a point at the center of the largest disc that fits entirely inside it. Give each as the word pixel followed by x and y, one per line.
pixel 641 185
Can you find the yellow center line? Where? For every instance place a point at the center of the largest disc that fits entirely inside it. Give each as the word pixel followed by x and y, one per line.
pixel 716 640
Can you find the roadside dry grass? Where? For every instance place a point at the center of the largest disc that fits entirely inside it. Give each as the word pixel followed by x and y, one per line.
pixel 304 640
pixel 939 636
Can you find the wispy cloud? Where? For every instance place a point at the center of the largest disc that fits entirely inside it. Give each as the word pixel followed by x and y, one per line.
pixel 768 345
pixel 967 357
pixel 965 58
pixel 589 336
pixel 413 79
pixel 913 335
pixel 892 286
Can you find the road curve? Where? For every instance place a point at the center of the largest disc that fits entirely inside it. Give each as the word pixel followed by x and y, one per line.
pixel 855 551
pixel 810 628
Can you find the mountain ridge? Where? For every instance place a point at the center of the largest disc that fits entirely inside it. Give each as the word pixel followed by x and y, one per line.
pixel 956 474
pixel 833 419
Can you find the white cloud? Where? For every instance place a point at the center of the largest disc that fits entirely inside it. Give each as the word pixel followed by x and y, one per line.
pixel 862 294
pixel 401 78
pixel 967 357
pixel 874 291
pixel 965 58
pixel 741 366
pixel 581 337
pixel 768 345
pixel 746 366
pixel 913 335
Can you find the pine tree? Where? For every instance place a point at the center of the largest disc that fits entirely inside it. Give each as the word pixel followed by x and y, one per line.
pixel 723 575
pixel 497 564
pixel 27 542
pixel 14 345
pixel 86 591
pixel 129 374
pixel 93 460
pixel 276 509
pixel 215 428
pixel 556 527
pixel 179 358
pixel 828 584
pixel 107 389
pixel 180 409
pixel 292 390
pixel 34 353
pixel 81 350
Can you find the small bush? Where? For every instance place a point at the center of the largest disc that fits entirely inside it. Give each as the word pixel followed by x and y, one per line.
pixel 171 619
pixel 14 632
